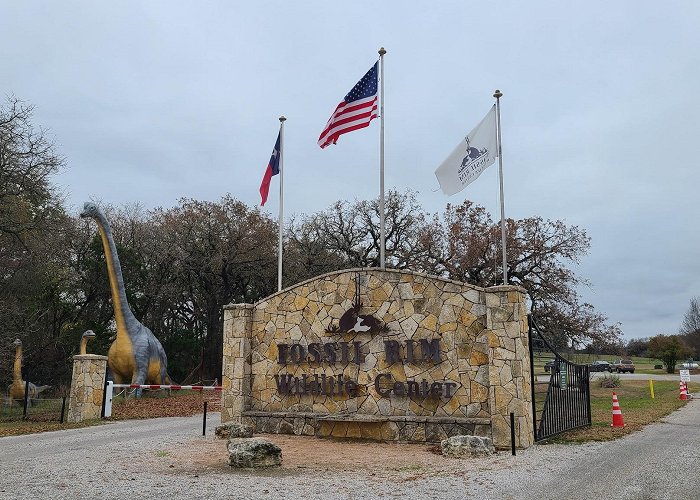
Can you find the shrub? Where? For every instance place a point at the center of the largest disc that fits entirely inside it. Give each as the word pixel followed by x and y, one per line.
pixel 610 381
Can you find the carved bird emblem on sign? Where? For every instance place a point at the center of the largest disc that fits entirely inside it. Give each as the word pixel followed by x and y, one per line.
pixel 359 327
pixel 353 321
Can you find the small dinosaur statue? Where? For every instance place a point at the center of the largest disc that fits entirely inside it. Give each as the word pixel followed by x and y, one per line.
pixel 18 385
pixel 136 356
pixel 84 339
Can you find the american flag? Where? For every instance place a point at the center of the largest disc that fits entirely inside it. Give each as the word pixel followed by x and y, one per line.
pixel 357 109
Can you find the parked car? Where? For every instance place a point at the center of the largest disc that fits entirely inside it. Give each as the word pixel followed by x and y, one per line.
pixel 600 366
pixel 622 366
pixel 689 364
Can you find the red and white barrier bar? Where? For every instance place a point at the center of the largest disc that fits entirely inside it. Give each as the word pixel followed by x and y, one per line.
pixel 172 387
pixel 109 390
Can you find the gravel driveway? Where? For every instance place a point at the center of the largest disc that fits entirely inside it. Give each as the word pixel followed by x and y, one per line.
pixel 168 457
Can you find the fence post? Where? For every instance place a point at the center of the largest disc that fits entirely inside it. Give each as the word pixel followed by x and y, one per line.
pixel 104 397
pixel 204 420
pixel 63 408
pixel 512 433
pixel 26 398
pixel 107 401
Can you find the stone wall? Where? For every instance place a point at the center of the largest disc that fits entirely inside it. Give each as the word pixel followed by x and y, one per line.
pixel 380 354
pixel 87 387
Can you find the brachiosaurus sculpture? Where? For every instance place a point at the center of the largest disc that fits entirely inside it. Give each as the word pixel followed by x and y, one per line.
pixel 87 336
pixel 18 385
pixel 136 356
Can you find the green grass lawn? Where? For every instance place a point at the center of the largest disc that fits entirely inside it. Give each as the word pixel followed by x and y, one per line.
pixel 638 409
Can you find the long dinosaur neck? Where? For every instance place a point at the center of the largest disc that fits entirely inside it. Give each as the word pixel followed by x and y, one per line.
pixel 122 312
pixel 17 372
pixel 83 345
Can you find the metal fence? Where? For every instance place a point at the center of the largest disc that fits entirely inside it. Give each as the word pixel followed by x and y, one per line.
pixel 561 399
pixel 44 407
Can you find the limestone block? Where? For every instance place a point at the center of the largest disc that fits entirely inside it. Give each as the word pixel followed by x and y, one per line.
pixel 479 392
pixel 300 302
pixel 501 314
pixel 389 431
pixel 434 433
pixel 493 300
pixel 467 446
pixel 429 323
pixel 253 453
pixel 473 296
pixel 384 406
pixel 233 430
pixel 447 314
pixel 405 291
pixel 500 430
pixel 478 358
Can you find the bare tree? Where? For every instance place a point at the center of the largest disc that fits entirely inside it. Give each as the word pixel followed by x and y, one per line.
pixel 465 244
pixel 351 231
pixel 31 222
pixel 690 328
pixel 27 160
pixel 691 321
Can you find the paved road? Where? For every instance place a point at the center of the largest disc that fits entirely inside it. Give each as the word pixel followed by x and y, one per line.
pixel 120 460
pixel 659 462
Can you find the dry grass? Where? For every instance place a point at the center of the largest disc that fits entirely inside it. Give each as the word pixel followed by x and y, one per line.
pixel 29 427
pixel 151 405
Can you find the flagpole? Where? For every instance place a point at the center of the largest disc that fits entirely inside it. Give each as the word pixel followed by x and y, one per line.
pixel 498 94
pixel 280 221
pixel 382 244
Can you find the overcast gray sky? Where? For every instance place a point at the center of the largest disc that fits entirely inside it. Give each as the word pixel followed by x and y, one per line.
pixel 153 101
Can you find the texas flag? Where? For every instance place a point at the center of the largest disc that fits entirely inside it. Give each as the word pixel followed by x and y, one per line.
pixel 273 168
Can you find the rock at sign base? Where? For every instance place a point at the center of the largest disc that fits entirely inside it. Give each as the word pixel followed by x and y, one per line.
pixel 467 446
pixel 233 430
pixel 253 453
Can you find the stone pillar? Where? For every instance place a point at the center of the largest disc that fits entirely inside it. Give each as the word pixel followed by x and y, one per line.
pixel 87 387
pixel 509 372
pixel 238 321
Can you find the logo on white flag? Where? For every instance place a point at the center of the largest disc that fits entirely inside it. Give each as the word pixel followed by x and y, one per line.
pixel 471 156
pixel 473 162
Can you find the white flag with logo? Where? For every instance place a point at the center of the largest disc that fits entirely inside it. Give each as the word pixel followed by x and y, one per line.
pixel 472 156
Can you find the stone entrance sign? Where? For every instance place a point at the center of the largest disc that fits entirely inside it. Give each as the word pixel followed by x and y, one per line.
pixel 390 355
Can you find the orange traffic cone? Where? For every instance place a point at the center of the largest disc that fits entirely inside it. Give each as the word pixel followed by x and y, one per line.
pixel 616 413
pixel 684 391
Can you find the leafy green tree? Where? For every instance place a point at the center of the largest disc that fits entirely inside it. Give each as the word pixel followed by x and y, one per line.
pixel 638 347
pixel 669 349
pixel 223 253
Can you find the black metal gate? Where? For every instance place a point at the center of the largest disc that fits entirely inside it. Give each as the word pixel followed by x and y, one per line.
pixel 561 398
